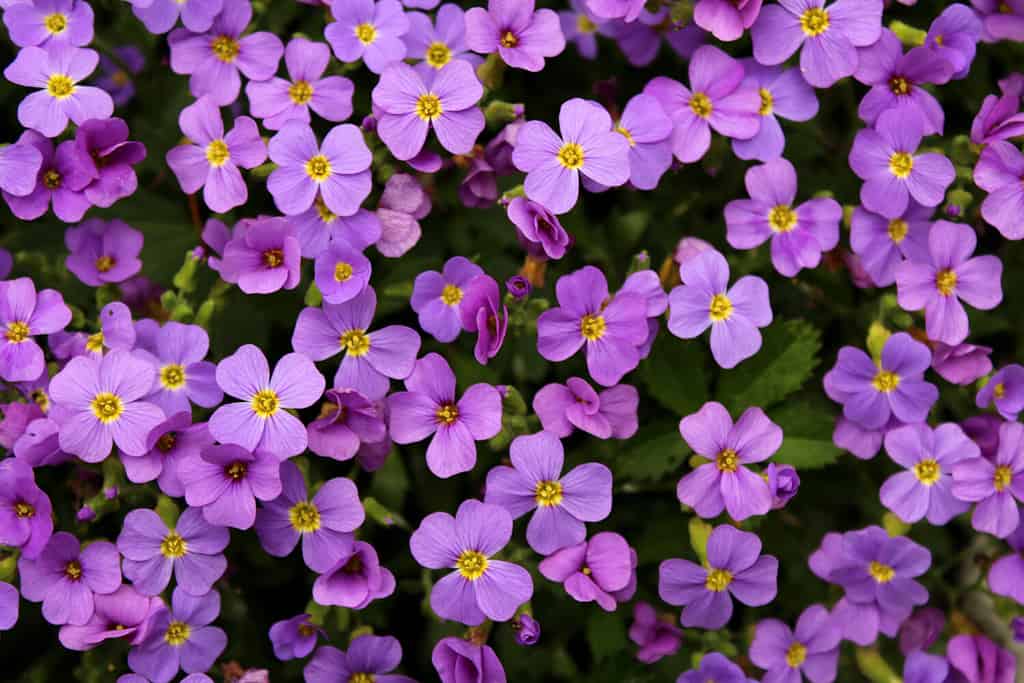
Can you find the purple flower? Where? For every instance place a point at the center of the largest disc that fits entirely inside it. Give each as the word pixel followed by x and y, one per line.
pixel 1005 390
pixel 998 118
pixel 883 243
pixel 588 146
pixel 920 667
pixel 518 287
pixel 8 606
pixel 263 256
pixel 1017 626
pixel 50 22
pixel 413 101
pixel 734 314
pixel 580 26
pixel 1000 21
pixel 798 234
pixel 371 358
pixel 294 638
pixel 921 630
pixel 626 10
pixel 656 635
pixel 338 172
pixel 726 19
pixel 278 100
pixel 594 570
pixel 20 164
pixel 829 36
pixel 784 94
pixel 726 483
pixel 611 328
pixel 735 567
pixel 527 630
pixel 462 661
pixel 347 421
pixel 538 230
pixel 57 179
pixel 436 297
pixel 341 272
pixel 65 578
pixel 160 16
pixel 648 130
pixel 979 660
pixel 812 649
pixel 949 275
pixel 212 159
pixel 438 46
pixel 961 364
pixel 56 72
pixel 402 205
pixel 521 36
pixel 481 587
pixel 180 638
pixel 872 393
pixel 121 614
pixel 260 420
pixel 954 36
pixel 996 486
pixel 105 156
pixel 885 159
pixel 1006 576
pixel 215 57
pixel 103 251
pixel 483 311
pixel 719 97
pixel 575 405
pixel 369 658
pixel 784 483
pixel 714 667
pixel 562 503
pixel 24 314
pixel 116 77
pixel 925 487
pixel 193 551
pixel 323 522
pixel 317 227
pixel 226 480
pixel 429 407
pixel 177 351
pixel 368 30
pixel 169 444
pixel 355 580
pixel 999 171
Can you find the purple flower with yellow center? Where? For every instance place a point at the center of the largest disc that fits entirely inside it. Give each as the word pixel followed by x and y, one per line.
pixel 183 377
pixel 56 72
pixel 66 577
pixel 648 130
pixel 594 570
pixel 436 297
pixel 562 503
pixel 481 587
pixel 341 272
pixel 999 171
pixel 25 314
pixel 997 486
pixel 784 94
pixel 1006 577
pixel 610 414
pixel 211 159
pixel 347 421
pixel 457 660
pixel 883 243
pixel 483 311
pixel 726 19
pixel 20 164
pixel 611 328
pixel 588 146
pixel 26 515
pixel 538 230
pixel 263 256
pixel 925 487
pixel 160 16
pixel 429 408
pixel 656 635
pixel 368 30
pixel 294 638
pixel 355 580
pixel 879 569
pixel 193 550
pixel 437 45
pixel 125 613
pixel 811 649
pixel 369 658
pixel 1004 390
pixel 580 26
pixel 260 420
pixel 56 180
pixel 735 569
pixel 521 35
pixel 226 480
pixel 725 483
pixel 734 314
pixel 798 234
pixel 278 100
pixel 100 403
pixel 116 77
pixel 886 159
pixel 414 101
pixel 8 606
pixel 338 171
pixel 50 22
pixel 317 227
pixel 949 275
pixel 105 155
pixel 372 358
pixel 828 35
pixel 180 638
pixel 1001 20
pixel 169 445
pixel 215 57
pixel 323 522
pixel 103 251
pixel 718 98
pixel 871 393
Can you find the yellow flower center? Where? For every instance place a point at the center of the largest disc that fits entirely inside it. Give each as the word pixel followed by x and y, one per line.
pixel 361 678
pixel 23 510
pixel 548 493
pixel 471 564
pixel 898 230
pixel 166 442
pixel 720 308
pixel 881 573
pixel 105 263
pixel 94 343
pixel 366 33
pixel 796 654
pixel 236 470
pixel 727 461
pixel 273 258
pixel 584 24
pixel 782 218
pixel 326 215
pixel 225 48
pixel 356 342
pixel 927 471
pixel 265 403
pixel 901 164
pixel 1002 478
pixel 306 630
pixel 899 85
pixel 60 86
pixel 940 40
pixel 886 381
pixel 592 327
pixel 999 390
pixel 51 179
pixel 624 132
pixel 120 78
pixel 305 517
pixel 43 401
pixel 107 407
pixel 767 102
pixel 438 55
pixel 177 633
pixel 814 21
pixel 571 156
pixel 73 570
pixel 342 271
pixel 172 376
pixel 55 23
pixel 945 281
pixel 300 92
pixel 718 580
pixel 701 105
pixel 447 414
pixel 318 168
pixel 17 332
pixel 509 39
pixel 451 295
pixel 217 153
pixel 428 107
pixel 173 546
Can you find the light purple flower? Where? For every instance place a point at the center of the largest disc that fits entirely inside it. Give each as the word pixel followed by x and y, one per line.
pixel 648 130
pixel 20 164
pixel 8 606
pixel 368 30
pixel 263 256
pixel 457 660
pixel 183 377
pixel 612 413
pixel 1006 576
pixel 294 638
pixel 50 22
pixel 438 45
pixel 978 660
pixel 725 19
pixel 784 94
pixel 784 483
pixel 1005 390
pixel 226 480
pixel 355 580
pixel 594 570
pixel 402 205
pixel 580 26
pixel 521 36
pixel 811 649
pixel 954 36
pixel 160 16
pixel 436 297
pixel 116 77
pixel 103 251
pixel 317 227
pixel 999 118
pixel 883 243
pixel 961 364
pixel 538 230
pixel 369 657
pixel 999 171
pixel 125 613
pixel 341 272
pixel 347 421
pixel 997 486
pixel 24 314
pixel 26 515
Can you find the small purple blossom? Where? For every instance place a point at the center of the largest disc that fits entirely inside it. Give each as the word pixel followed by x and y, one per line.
pixel 962 364
pixel 612 413
pixel 1004 390
pixel 56 179
pixel 884 243
pixel 294 638
pixel 48 23
pixel 160 16
pixel 369 657
pixel 347 421
pixel 811 649
pixel 483 311
pixel 597 570
pixel 105 155
pixel 656 635
pixel 538 230
pixel 997 486
pixel 521 35
pixel 527 630
pixel 355 580
pixel 369 30
pixel 784 483
pixel 226 480
pixel 125 613
pixel 784 94
pixel 436 297
pixel 457 660
pixel 25 314
pixel 726 19
pixel 954 35
pixel 921 630
pixel 999 171
pixel 437 45
pixel 263 256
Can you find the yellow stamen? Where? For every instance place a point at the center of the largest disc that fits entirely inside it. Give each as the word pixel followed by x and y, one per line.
pixel 571 156
pixel 300 92
pixel 356 342
pixel 107 407
pixel 172 376
pixel 901 164
pixel 366 33
pixel 17 332
pixel 718 580
pixel 265 403
pixel 178 633
pixel 592 327
pixel 928 471
pixel 898 230
pixel 173 546
pixel 701 105
pixel 1002 478
pixel 429 107
pixel 720 308
pixel 548 493
pixel 767 102
pixel 55 23
pixel 782 218
pixel 217 153
pixel 945 281
pixel 451 295
pixel 318 168
pixel 225 48
pixel 727 461
pixel 447 414
pixel 796 654
pixel 886 381
pixel 438 55
pixel 305 517
pixel 471 564
pixel 881 573
pixel 814 21
pixel 509 39
pixel 60 86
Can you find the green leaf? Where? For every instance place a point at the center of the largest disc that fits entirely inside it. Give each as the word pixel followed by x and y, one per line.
pixel 674 374
pixel 606 634
pixel 653 453
pixel 807 435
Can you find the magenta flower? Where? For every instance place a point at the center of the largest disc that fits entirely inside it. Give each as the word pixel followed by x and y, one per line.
pixel 884 243
pixel 599 570
pixel 65 578
pixel 369 657
pixel 483 311
pixel 368 30
pixel 657 637
pixel 347 421
pixel 103 251
pixel 961 364
pixel 997 486
pixel 160 16
pixel 481 587
pixel 24 314
pixel 183 377
pixel 436 297
pixel 999 171
pixel 610 414
pixel 355 580
pixel 261 420
pixel 47 23
pixel 784 94
pixel 225 482
pixel 587 146
pixel 726 19
pixel 212 159
pixel 1004 390
pixel 56 179
pixel 521 36
pixel 122 614
pixel 263 256
pixel 26 515
pixel 538 230
pixel 105 155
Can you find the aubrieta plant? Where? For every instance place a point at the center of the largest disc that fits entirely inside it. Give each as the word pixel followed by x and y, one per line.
pixel 385 341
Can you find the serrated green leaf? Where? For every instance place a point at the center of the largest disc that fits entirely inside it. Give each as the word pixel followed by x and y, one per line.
pixel 674 374
pixel 653 453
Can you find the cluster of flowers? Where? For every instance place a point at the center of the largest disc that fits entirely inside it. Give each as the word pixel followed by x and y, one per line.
pixel 142 392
